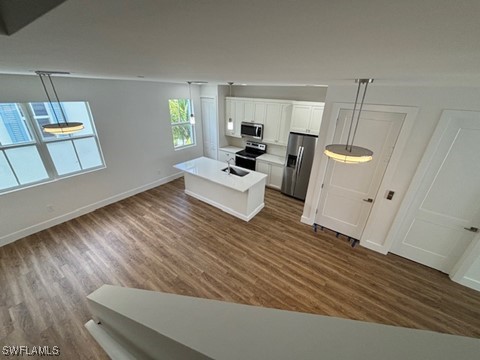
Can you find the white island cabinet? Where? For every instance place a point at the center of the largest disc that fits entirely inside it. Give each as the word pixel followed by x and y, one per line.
pixel 240 196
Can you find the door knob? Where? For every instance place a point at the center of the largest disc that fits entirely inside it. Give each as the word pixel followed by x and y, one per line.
pixel 370 200
pixel 472 229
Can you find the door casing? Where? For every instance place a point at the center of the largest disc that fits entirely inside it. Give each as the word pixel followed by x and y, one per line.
pixel 383 211
pixel 395 234
pixel 343 206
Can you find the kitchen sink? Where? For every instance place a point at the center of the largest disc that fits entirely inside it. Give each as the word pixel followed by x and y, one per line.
pixel 236 171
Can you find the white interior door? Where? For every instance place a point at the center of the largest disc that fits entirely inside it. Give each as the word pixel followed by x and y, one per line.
pixel 209 123
pixel 344 204
pixel 447 195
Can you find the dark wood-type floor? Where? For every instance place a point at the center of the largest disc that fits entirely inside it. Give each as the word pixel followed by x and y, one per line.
pixel 164 240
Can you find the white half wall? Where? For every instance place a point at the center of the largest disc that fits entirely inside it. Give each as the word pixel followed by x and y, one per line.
pixel 133 126
pixel 430 101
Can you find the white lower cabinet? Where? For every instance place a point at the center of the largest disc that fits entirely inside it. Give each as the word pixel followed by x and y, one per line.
pixel 276 176
pixel 273 171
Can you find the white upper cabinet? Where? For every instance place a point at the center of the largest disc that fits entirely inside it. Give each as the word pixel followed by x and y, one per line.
pixel 277 123
pixel 307 117
pixel 279 117
pixel 249 111
pixel 232 122
pixel 260 112
pixel 285 121
pixel 238 110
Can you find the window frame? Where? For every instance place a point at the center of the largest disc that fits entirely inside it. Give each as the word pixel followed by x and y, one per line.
pixel 40 143
pixel 183 123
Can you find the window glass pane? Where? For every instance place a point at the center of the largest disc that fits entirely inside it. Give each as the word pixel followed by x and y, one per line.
pixel 27 164
pixel 39 109
pixel 183 135
pixel 178 110
pixel 74 111
pixel 64 157
pixel 7 179
pixel 88 153
pixel 78 111
pixel 13 127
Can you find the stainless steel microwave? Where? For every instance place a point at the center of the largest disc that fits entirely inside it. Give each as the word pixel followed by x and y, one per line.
pixel 252 130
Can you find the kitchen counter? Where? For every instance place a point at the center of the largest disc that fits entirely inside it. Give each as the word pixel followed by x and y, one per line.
pixel 211 170
pixel 274 159
pixel 242 197
pixel 231 149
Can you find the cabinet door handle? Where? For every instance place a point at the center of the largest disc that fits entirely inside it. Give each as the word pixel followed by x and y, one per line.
pixel 369 200
pixel 472 229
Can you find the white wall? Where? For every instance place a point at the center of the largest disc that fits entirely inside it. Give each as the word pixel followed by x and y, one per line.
pixel 299 93
pixel 132 121
pixel 430 102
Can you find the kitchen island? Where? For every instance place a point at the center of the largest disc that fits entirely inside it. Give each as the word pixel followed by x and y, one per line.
pixel 240 196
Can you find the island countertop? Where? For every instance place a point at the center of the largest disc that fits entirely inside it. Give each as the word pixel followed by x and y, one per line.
pixel 211 170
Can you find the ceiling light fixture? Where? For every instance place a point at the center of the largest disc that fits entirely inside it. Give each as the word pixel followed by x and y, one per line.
pixel 230 120
pixel 60 128
pixel 348 153
pixel 192 117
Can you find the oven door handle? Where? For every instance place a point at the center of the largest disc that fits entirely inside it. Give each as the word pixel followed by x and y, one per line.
pixel 244 157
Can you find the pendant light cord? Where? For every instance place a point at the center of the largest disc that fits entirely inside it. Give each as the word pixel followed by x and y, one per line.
pixel 50 100
pixel 351 121
pixel 58 100
pixel 190 95
pixel 359 112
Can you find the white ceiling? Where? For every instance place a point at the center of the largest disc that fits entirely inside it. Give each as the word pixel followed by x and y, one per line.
pixel 255 42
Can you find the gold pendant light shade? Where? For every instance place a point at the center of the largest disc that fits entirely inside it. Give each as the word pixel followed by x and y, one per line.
pixel 353 155
pixel 348 153
pixel 59 128
pixel 63 128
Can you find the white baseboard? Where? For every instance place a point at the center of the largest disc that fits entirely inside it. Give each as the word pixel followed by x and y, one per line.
pixel 373 246
pixel 9 238
pixel 226 209
pixel 306 220
pixel 469 282
pixel 112 347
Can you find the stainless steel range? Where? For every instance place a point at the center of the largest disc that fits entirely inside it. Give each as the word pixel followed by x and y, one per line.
pixel 247 158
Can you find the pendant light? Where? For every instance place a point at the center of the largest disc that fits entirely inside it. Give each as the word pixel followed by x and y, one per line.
pixel 230 120
pixel 59 128
pixel 348 153
pixel 192 117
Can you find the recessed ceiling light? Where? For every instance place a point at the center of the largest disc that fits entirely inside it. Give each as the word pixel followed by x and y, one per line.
pixel 199 82
pixel 140 76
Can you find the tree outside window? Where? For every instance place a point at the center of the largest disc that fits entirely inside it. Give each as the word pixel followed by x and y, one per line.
pixel 183 132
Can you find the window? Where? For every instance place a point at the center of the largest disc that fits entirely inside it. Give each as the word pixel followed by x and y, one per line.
pixel 183 132
pixel 30 156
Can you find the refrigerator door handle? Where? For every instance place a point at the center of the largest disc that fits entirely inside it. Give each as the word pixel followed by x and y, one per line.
pixel 300 158
pixel 295 171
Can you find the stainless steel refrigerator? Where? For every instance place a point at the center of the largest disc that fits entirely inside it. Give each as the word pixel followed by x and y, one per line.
pixel 298 164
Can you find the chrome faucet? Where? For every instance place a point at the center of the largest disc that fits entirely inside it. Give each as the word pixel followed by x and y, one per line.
pixel 228 162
